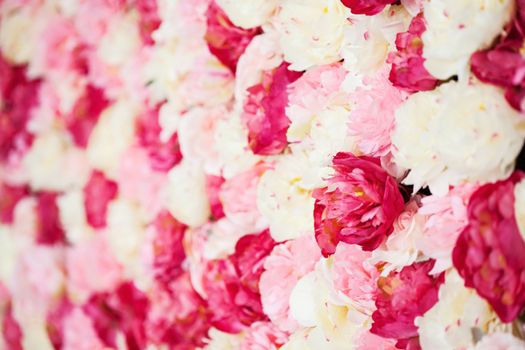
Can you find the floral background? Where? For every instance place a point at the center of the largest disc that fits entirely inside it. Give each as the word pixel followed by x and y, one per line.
pixel 262 174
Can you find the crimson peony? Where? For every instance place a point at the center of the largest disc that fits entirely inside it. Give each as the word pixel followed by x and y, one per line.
pixel 359 205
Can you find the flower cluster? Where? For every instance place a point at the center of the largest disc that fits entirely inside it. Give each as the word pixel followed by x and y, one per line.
pixel 262 174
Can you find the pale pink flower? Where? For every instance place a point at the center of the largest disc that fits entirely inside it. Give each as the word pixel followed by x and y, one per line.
pixel 354 276
pixel 79 333
pixel 263 336
pixel 91 267
pixel 287 263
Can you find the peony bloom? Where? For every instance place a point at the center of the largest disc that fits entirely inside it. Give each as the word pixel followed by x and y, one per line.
pixel 287 263
pixel 250 13
pixel 9 197
pixel 232 284
pixel 49 227
pixel 408 72
pixel 122 310
pixel 457 28
pixel 79 333
pixel 503 65
pixel 355 277
pixel 454 321
pixel 163 154
pixel 445 217
pixel 460 132
pixel 82 118
pixel 358 207
pixel 489 252
pixel 264 111
pixel 263 336
pixel 367 7
pixel 499 341
pixel 149 19
pixel 226 41
pixel 402 296
pixel 372 114
pixel 213 188
pixel 98 192
pixel 311 32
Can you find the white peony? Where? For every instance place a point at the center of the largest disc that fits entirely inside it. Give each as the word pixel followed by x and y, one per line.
pixel 311 31
pixel 73 216
pixel 248 13
pixel 457 133
pixel 121 41
pixel 499 340
pixel 284 199
pixel 519 206
pixel 222 341
pixel 187 199
pixel 369 39
pixel 458 315
pixel 52 154
pixel 458 28
pixel 112 135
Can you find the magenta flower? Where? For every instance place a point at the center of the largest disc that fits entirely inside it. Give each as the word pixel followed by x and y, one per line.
pixel 264 111
pixel 504 65
pixel 9 197
pixel 408 72
pixel 232 284
pixel 226 41
pixel 401 297
pixel 358 207
pixel 367 7
pixel 489 252
pixel 98 192
pixel 49 227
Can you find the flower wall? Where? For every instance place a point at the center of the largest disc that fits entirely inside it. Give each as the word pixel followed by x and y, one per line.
pixel 262 174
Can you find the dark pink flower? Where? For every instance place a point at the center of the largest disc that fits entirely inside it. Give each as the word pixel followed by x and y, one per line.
pixel 19 97
pixel 168 251
pixel 11 331
pixel 226 41
pixel 9 197
pixel 358 207
pixel 123 310
pixel 232 284
pixel 264 111
pixel 162 155
pixel 213 187
pixel 55 322
pixel 367 7
pixel 179 319
pixel 504 65
pixel 149 19
pixel 489 252
pixel 49 227
pixel 401 297
pixel 98 192
pixel 85 113
pixel 408 72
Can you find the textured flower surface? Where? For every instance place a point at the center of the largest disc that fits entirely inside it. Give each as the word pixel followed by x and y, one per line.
pixel 358 207
pixel 488 251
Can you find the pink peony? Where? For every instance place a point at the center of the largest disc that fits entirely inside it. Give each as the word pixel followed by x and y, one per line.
pixel 168 251
pixel 263 336
pixel 367 7
pixel 11 331
pixel 445 218
pixel 489 252
pixel 179 319
pixel 49 227
pixel 163 155
pixel 239 198
pixel 79 333
pixel 358 207
pixel 283 268
pixel 504 65
pixel 402 296
pixel 85 113
pixel 408 72
pixel 264 111
pixel 98 192
pixel 354 277
pixel 9 197
pixel 91 267
pixel 232 284
pixel 369 341
pixel 149 19
pixel 372 116
pixel 213 188
pixel 123 310
pixel 226 41
pixel 19 96
pixel 55 319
